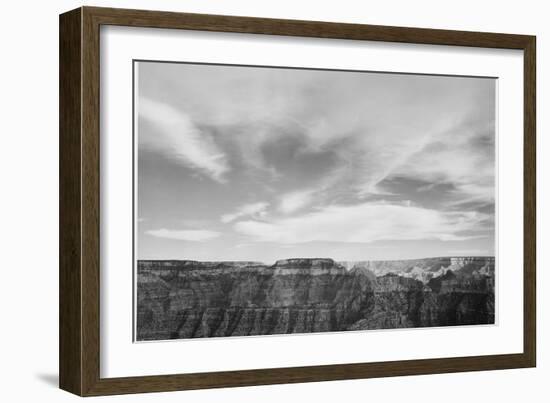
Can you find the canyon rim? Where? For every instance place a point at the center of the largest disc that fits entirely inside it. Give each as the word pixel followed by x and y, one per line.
pixel 189 299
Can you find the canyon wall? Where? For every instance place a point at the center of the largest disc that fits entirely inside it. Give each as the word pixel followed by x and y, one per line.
pixel 188 299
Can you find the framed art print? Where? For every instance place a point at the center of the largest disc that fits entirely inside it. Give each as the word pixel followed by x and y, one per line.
pixel 250 201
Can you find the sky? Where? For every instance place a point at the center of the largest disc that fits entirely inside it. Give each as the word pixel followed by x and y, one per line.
pixel 260 164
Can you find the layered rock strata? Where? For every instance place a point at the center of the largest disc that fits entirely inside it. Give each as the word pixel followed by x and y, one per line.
pixel 189 299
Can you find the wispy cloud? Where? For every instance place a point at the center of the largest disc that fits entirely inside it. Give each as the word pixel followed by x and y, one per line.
pixel 184 235
pixel 462 156
pixel 318 151
pixel 294 201
pixel 396 127
pixel 180 138
pixel 366 222
pixel 256 210
pixel 468 251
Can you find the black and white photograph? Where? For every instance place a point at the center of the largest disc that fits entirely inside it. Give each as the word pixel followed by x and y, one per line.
pixel 274 200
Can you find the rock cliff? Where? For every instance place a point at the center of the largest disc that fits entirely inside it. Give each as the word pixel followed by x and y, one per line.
pixel 188 299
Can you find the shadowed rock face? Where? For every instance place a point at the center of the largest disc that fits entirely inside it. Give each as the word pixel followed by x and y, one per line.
pixel 187 299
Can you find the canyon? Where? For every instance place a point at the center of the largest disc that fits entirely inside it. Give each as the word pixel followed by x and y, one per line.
pixel 179 299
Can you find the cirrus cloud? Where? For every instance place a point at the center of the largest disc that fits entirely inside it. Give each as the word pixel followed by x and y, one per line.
pixel 252 209
pixel 366 222
pixel 294 201
pixel 184 235
pixel 181 138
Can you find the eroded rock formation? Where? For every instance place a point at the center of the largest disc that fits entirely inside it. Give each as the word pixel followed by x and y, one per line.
pixel 187 299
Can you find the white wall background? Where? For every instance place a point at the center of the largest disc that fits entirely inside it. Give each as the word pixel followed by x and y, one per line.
pixel 29 198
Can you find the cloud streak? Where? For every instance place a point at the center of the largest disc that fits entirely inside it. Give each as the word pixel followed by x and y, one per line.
pixel 456 157
pixel 294 201
pixel 180 138
pixel 365 223
pixel 184 235
pixel 253 209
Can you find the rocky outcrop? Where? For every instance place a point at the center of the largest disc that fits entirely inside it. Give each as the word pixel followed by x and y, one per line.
pixel 426 269
pixel 188 299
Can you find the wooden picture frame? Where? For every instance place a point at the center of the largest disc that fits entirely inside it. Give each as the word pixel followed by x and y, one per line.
pixel 79 347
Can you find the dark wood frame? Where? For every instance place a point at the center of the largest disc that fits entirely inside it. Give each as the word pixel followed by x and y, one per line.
pixel 79 320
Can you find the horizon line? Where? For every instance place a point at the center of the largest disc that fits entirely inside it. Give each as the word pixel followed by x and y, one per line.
pixel 320 258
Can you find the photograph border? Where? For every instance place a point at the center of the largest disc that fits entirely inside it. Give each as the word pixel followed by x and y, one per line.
pixel 79 279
